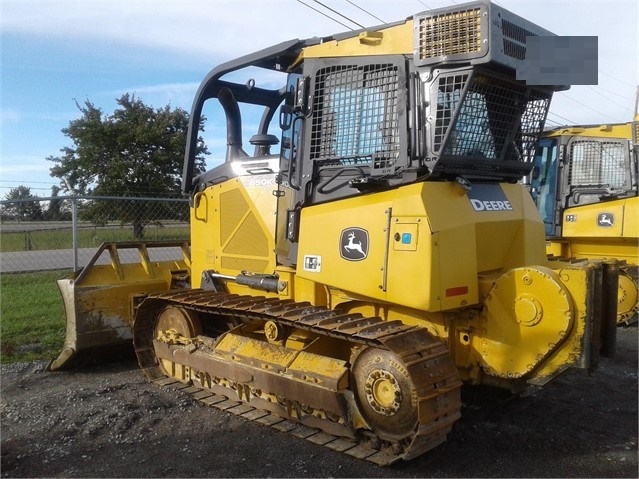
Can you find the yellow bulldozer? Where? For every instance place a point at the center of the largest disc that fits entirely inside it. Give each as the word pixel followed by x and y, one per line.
pixel 344 287
pixel 584 182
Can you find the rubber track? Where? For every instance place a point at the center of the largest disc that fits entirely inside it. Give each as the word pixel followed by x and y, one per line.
pixel 425 358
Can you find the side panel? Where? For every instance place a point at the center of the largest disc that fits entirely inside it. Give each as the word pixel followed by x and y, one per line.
pixel 233 227
pixel 602 230
pixel 342 244
pixel 421 246
pixel 608 219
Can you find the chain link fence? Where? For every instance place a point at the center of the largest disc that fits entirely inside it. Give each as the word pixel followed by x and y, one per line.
pixel 39 234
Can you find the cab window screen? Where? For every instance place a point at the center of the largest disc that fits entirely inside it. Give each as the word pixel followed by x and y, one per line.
pixel 597 163
pixel 355 118
pixel 496 119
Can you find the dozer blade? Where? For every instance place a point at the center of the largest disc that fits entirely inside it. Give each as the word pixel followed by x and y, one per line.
pixel 101 298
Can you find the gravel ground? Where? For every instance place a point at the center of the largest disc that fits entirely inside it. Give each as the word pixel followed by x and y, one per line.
pixel 110 422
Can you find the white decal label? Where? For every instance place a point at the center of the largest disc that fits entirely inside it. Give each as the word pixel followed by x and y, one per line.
pixel 312 263
pixel 495 205
pixel 488 197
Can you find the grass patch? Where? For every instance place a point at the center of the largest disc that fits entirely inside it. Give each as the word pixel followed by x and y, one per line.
pixel 32 318
pixel 88 237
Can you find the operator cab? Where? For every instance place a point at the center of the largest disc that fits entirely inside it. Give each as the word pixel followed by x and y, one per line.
pixel 573 166
pixel 413 104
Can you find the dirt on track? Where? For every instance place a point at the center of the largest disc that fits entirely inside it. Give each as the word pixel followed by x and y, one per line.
pixel 109 421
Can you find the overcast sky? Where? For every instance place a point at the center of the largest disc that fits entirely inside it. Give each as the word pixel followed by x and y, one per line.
pixel 56 52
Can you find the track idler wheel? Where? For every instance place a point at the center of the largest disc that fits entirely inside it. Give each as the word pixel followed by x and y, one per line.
pixel 175 325
pixel 386 394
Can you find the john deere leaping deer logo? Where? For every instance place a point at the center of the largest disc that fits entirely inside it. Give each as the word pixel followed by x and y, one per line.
pixel 354 244
pixel 606 220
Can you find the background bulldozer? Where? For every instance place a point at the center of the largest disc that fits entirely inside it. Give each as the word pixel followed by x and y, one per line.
pixel 351 282
pixel 584 182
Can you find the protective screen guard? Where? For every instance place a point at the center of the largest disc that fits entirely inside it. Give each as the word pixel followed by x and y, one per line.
pixel 483 124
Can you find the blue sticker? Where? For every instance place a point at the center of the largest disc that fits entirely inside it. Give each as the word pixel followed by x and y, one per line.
pixel 406 238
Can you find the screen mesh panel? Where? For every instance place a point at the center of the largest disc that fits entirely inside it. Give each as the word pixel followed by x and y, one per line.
pixel 514 39
pixel 450 34
pixel 497 119
pixel 355 115
pixel 597 163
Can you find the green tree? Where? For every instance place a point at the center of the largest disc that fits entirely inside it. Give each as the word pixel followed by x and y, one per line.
pixel 136 151
pixel 19 208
